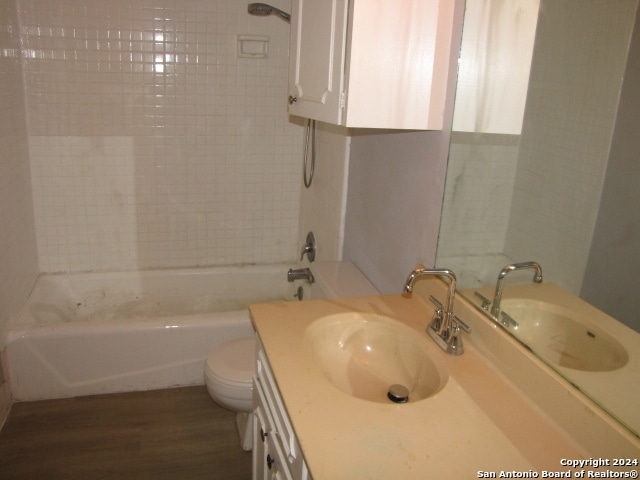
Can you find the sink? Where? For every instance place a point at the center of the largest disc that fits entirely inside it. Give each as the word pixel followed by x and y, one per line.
pixel 363 355
pixel 562 337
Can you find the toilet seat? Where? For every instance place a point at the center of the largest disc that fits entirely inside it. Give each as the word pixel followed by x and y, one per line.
pixel 229 371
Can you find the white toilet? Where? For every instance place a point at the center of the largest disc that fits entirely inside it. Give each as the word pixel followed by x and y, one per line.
pixel 229 368
pixel 228 374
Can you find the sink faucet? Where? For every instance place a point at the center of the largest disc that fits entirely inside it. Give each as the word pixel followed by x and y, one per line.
pixel 444 327
pixel 497 298
pixel 447 311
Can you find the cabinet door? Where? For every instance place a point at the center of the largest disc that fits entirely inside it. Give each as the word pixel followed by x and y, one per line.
pixel 399 63
pixel 316 68
pixel 277 468
pixel 260 448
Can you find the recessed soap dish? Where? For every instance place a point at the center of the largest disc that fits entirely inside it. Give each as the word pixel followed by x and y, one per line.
pixel 253 46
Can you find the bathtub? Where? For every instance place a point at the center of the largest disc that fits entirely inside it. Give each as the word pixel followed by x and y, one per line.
pixel 93 333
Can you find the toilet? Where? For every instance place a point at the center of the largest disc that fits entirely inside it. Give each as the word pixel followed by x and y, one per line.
pixel 229 368
pixel 228 373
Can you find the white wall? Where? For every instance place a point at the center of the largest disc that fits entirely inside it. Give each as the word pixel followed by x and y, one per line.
pixel 323 204
pixel 396 184
pixel 152 144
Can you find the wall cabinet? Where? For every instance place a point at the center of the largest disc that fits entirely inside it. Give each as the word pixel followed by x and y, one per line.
pixel 276 452
pixel 371 63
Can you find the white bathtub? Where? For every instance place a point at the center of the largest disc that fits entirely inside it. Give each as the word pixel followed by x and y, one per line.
pixel 93 333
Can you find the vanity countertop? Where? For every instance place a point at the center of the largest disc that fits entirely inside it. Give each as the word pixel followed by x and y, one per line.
pixel 479 422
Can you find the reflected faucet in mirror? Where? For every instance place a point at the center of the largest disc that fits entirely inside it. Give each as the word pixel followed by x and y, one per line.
pixel 497 298
pixel 444 327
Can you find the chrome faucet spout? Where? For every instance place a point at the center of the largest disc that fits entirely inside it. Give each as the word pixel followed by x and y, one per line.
pixel 444 327
pixel 497 297
pixel 420 271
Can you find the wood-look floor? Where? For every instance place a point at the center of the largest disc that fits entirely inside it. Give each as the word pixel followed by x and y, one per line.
pixel 164 434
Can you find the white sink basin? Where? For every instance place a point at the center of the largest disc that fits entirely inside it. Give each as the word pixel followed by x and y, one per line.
pixel 363 355
pixel 563 338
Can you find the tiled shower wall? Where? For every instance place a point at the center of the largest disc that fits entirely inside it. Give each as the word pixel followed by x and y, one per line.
pixel 152 143
pixel 322 206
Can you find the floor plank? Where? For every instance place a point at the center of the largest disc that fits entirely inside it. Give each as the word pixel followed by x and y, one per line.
pixel 165 434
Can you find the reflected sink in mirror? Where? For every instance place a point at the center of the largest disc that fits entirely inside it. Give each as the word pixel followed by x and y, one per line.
pixel 562 338
pixel 363 355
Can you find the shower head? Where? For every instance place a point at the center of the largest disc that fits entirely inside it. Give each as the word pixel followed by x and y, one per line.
pixel 262 10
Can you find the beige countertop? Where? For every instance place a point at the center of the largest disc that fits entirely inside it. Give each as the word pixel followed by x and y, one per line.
pixel 480 421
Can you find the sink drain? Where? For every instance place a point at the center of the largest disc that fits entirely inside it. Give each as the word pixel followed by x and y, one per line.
pixel 398 393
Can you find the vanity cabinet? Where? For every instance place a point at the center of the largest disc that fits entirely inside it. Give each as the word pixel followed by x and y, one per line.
pixel 276 452
pixel 370 64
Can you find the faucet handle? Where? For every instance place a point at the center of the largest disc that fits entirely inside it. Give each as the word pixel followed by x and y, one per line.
pixel 457 319
pixel 485 301
pixel 436 320
pixel 508 321
pixel 309 248
pixel 454 340
pixel 459 324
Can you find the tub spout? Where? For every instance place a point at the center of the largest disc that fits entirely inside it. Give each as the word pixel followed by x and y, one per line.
pixel 300 274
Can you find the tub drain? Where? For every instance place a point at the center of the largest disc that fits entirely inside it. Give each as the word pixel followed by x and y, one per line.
pixel 398 393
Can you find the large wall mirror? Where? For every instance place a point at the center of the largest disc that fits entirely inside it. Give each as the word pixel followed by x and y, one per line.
pixel 544 163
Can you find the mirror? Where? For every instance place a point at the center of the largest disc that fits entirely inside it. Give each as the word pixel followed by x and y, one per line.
pixel 543 162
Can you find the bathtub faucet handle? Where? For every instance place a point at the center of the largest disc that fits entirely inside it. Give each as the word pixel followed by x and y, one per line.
pixel 309 248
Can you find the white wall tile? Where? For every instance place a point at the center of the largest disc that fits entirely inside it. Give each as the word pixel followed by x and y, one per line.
pixel 153 144
pixel 323 204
